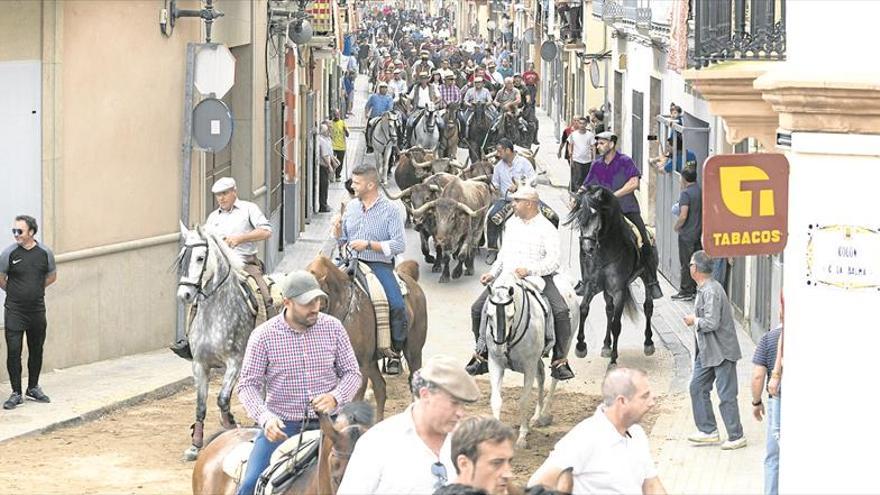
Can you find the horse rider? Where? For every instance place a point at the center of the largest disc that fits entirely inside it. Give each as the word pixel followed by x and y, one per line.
pixel 477 94
pixel 411 451
pixel 377 104
pixel 422 65
pixel 373 227
pixel 397 86
pixel 274 361
pixel 449 92
pixel 510 168
pixel 531 249
pixel 491 73
pixel 423 96
pixel 240 224
pixel 617 172
pixel 508 97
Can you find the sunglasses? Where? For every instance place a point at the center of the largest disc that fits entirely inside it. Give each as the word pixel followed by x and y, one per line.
pixel 438 470
pixel 17 232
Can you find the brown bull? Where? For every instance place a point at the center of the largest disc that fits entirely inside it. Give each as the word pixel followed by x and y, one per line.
pixel 352 306
pixel 460 213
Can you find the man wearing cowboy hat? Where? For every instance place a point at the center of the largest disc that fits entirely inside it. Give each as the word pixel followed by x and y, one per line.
pixel 411 452
pixel 423 96
pixel 477 94
pixel 377 104
pixel 449 92
pixel 423 64
pixel 530 249
pixel 397 86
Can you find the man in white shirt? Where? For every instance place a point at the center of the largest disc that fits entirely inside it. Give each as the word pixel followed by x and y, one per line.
pixel 397 85
pixel 609 452
pixel 530 249
pixel 410 453
pixel 580 152
pixel 423 95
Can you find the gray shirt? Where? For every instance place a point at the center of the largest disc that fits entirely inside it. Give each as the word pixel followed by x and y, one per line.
pixel 716 332
pixel 242 218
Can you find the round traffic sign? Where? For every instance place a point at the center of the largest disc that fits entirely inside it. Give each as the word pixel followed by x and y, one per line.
pixel 212 125
pixel 548 51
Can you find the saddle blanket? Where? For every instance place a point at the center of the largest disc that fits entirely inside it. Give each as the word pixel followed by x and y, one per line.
pixel 377 295
pixel 256 303
pixel 635 230
pixel 235 462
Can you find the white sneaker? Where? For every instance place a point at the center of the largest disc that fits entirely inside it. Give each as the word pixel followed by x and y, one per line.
pixel 704 438
pixel 734 444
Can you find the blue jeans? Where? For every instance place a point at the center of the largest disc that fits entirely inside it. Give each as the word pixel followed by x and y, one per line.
pixel 771 461
pixel 396 305
pixel 262 453
pixel 724 378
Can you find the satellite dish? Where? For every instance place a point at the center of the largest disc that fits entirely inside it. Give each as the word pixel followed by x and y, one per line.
pixel 548 51
pixel 300 31
pixel 529 36
pixel 594 73
pixel 212 125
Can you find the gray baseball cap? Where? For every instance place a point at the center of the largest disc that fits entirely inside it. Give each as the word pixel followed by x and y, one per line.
pixel 302 287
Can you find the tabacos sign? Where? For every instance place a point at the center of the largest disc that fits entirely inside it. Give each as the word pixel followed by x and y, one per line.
pixel 745 204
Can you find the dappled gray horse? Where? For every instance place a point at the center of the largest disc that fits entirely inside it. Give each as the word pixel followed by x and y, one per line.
pixel 515 338
pixel 426 132
pixel 211 277
pixel 384 142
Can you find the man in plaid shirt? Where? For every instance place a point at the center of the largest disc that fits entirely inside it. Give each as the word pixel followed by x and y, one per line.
pixel 449 92
pixel 304 360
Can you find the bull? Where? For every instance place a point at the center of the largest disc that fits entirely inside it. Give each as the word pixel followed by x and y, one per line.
pixel 414 197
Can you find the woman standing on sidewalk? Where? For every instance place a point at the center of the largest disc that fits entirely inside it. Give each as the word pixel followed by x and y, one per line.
pixel 338 135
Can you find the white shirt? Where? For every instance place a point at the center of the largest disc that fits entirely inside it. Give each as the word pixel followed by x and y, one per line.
pixel 496 77
pixel 397 87
pixel 533 245
pixel 391 458
pixel 421 97
pixel 582 144
pixel 604 461
pixel 242 218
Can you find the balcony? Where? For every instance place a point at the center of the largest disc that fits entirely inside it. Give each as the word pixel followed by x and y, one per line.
pixel 738 30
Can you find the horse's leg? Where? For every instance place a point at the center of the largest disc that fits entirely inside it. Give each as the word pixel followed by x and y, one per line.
pixel 444 276
pixel 648 307
pixel 581 346
pixel 496 376
pixel 229 379
pixel 541 418
pixel 456 273
pixel 201 374
pixel 438 259
pixel 426 251
pixel 528 381
pixel 619 301
pixel 469 263
pixel 362 391
pixel 609 319
pixel 379 389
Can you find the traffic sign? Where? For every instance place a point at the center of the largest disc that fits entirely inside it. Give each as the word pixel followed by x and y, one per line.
pixel 214 70
pixel 745 204
pixel 212 125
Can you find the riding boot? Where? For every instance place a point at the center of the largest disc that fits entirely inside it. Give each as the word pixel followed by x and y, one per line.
pixel 479 364
pixel 559 368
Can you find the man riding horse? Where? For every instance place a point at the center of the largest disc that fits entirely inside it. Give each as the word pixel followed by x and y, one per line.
pixel 477 94
pixel 423 96
pixel 531 249
pixel 373 228
pixel 377 104
pixel 240 224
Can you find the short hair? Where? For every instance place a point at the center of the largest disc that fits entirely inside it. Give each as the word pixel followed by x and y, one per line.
pixel 368 172
pixel 29 220
pixel 619 381
pixel 689 173
pixel 506 143
pixel 459 489
pixel 473 431
pixel 702 262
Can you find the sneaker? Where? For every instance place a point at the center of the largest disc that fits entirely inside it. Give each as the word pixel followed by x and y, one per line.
pixel 704 438
pixel 392 366
pixel 13 400
pixel 683 296
pixel 36 393
pixel 734 444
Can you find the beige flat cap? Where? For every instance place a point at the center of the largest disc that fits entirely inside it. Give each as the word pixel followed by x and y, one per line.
pixel 451 377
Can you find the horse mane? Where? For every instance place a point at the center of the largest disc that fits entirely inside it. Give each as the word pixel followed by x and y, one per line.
pixel 236 263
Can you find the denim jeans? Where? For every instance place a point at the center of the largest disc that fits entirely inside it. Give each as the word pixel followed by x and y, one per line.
pixel 262 453
pixel 724 378
pixel 771 461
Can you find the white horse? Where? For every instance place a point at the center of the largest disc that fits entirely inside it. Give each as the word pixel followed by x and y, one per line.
pixel 515 337
pixel 426 133
pixel 384 142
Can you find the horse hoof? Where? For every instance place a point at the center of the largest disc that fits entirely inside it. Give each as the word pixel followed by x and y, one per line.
pixel 436 269
pixel 649 350
pixel 444 279
pixel 612 365
pixel 522 444
pixel 545 420
pixel 191 454
pixel 606 352
pixel 580 350
pixel 429 259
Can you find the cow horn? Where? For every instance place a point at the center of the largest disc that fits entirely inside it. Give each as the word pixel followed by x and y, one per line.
pixel 479 178
pixel 424 208
pixel 455 164
pixel 425 164
pixel 402 194
pixel 467 209
pixel 434 187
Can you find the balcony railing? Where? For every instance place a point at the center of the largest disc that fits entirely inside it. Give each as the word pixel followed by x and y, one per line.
pixel 738 30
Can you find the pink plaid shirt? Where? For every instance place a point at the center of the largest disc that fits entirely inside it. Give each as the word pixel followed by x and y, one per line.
pixel 295 367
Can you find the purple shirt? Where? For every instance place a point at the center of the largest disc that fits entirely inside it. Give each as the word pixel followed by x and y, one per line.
pixel 295 367
pixel 613 176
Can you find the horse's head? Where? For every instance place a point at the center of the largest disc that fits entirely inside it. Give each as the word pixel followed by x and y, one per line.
pixel 504 297
pixel 353 421
pixel 591 212
pixel 333 282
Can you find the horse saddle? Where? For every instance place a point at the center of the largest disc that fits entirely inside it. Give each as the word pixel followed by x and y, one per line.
pixel 290 457
pixel 256 302
pixel 635 230
pixel 369 282
pixel 535 286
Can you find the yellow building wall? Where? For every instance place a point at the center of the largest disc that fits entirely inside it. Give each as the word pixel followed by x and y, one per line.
pixel 20 30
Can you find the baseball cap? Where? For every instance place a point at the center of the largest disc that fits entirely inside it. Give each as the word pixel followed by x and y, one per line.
pixel 302 287
pixel 447 374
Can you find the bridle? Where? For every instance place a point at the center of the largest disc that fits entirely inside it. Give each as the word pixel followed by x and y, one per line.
pixel 392 129
pixel 525 314
pixel 200 284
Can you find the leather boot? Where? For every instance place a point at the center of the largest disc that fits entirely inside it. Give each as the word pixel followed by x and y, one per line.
pixel 478 365
pixel 181 348
pixel 392 365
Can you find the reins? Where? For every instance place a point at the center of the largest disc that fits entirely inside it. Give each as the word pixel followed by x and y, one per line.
pixel 524 314
pixel 199 286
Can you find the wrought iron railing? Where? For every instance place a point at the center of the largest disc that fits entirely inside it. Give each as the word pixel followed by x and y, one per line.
pixel 738 30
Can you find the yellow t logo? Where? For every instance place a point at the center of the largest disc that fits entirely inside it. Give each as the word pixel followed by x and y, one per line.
pixel 737 194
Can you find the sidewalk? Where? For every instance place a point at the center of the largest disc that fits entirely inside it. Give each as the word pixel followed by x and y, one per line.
pixel 83 393
pixel 683 467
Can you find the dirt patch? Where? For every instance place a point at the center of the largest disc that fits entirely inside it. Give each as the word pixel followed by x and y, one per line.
pixel 138 449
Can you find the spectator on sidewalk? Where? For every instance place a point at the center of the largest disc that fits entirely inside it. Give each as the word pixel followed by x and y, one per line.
pixel 608 452
pixel 326 166
pixel 338 136
pixel 563 140
pixel 664 164
pixel 764 360
pixel 717 352
pixel 26 268
pixel 348 87
pixel 580 149
pixel 689 226
pixel 482 451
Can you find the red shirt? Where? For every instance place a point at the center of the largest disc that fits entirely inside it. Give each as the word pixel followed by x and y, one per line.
pixel 531 77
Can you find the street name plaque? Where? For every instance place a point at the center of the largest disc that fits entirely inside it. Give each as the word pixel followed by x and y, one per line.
pixel 843 257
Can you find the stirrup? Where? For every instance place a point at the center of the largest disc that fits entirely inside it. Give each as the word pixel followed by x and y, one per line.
pixel 559 362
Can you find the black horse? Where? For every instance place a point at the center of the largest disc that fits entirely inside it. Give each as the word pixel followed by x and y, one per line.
pixel 610 260
pixel 478 130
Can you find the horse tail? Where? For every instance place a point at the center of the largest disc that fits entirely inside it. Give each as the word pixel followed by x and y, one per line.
pixel 630 310
pixel 410 268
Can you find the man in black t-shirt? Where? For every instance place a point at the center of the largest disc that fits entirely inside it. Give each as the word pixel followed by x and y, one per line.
pixel 26 269
pixel 689 226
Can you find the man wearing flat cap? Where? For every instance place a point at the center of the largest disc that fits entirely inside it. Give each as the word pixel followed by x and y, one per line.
pixel 410 452
pixel 304 361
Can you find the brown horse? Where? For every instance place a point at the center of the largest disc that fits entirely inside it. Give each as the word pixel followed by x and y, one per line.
pixel 353 307
pixel 448 146
pixel 320 478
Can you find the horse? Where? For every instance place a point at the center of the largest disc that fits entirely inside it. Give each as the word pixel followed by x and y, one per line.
pixel 610 261
pixel 211 278
pixel 448 146
pixel 515 338
pixel 384 143
pixel 353 307
pixel 426 132
pixel 508 125
pixel 318 478
pixel 477 132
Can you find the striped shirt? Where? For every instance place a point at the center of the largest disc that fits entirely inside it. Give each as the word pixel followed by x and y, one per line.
pixel 381 222
pixel 295 367
pixel 450 93
pixel 531 244
pixel 765 351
